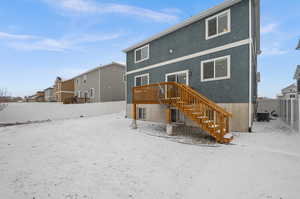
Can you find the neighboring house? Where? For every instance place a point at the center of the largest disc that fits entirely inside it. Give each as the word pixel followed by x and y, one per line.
pixel 40 96
pixel 288 92
pixel 50 94
pixel 63 89
pixel 289 105
pixel 102 84
pixel 214 52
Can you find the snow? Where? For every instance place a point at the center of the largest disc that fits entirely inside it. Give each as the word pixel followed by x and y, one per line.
pixel 23 112
pixel 101 157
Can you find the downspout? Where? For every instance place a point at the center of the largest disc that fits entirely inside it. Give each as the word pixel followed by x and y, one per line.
pixel 99 94
pixel 125 78
pixel 250 67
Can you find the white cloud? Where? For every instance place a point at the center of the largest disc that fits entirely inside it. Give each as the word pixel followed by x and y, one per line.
pixel 269 28
pixel 31 42
pixel 274 51
pixel 92 7
pixel 4 35
pixel 274 48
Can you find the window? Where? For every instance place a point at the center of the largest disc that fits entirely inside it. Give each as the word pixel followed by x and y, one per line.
pixel 84 79
pixel 141 113
pixel 181 77
pixel 92 92
pixel 141 54
pixel 215 69
pixel 78 94
pixel 78 81
pixel 218 25
pixel 141 80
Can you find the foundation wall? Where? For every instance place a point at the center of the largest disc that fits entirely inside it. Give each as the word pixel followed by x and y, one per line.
pixel 238 123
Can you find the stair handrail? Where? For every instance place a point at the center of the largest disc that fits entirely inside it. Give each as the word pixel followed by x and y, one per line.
pixel 190 91
pixel 209 102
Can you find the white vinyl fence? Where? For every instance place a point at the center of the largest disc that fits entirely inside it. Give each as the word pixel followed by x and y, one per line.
pixel 289 112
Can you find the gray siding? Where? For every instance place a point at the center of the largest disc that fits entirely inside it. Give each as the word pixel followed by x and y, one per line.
pixel 233 90
pixel 191 39
pixel 112 84
pixel 92 82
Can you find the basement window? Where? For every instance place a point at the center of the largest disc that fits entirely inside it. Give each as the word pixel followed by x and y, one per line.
pixel 141 54
pixel 218 24
pixel 215 69
pixel 142 113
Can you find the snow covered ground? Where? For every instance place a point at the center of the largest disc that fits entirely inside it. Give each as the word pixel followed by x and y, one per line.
pixel 23 112
pixel 101 157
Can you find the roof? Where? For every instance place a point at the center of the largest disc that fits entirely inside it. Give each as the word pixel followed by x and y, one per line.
pixel 297 73
pixel 289 89
pixel 298 46
pixel 201 15
pixel 100 67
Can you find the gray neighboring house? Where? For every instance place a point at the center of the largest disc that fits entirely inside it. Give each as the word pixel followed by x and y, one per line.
pixel 214 52
pixel 102 84
pixel 288 92
pixel 49 95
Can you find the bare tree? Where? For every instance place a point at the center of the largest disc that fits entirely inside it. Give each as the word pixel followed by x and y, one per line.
pixel 3 98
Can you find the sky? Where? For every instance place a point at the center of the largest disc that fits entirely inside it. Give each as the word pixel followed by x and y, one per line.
pixel 43 39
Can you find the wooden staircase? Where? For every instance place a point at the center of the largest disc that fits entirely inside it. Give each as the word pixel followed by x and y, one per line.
pixel 206 114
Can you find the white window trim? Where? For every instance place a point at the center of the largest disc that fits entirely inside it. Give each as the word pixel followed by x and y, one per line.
pixel 217 16
pixel 92 97
pixel 135 61
pixel 214 60
pixel 179 72
pixel 146 74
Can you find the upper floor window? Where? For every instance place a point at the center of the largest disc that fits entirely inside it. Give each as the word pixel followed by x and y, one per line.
pixel 215 69
pixel 77 81
pixel 84 79
pixel 141 80
pixel 218 24
pixel 141 54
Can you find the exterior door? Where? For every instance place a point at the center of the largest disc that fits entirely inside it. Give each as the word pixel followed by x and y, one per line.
pixel 179 77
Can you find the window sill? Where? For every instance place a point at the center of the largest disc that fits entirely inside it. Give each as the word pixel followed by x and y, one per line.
pixel 214 79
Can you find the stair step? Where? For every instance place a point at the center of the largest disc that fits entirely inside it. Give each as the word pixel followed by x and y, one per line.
pixel 214 126
pixel 202 117
pixel 188 109
pixel 195 113
pixel 208 121
pixel 181 102
pixel 189 105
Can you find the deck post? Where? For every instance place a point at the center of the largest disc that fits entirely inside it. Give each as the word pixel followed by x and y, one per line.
pixel 134 124
pixel 169 127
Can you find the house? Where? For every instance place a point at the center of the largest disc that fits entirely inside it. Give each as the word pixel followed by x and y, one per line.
pixel 64 89
pixel 214 54
pixel 101 84
pixel 40 96
pixel 288 92
pixel 49 95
